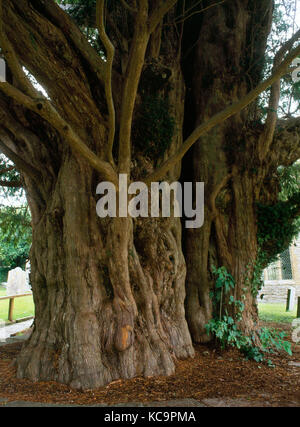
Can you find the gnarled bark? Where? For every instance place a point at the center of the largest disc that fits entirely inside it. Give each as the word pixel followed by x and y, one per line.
pixel 109 293
pixel 231 40
pixel 104 307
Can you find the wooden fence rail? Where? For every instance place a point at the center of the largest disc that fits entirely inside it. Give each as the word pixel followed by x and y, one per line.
pixel 12 303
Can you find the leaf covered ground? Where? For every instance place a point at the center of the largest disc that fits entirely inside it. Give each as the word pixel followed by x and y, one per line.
pixel 212 374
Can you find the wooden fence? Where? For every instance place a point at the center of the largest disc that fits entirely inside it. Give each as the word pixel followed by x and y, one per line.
pixel 12 303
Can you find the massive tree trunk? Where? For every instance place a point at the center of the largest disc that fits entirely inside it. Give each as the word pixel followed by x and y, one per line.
pixel 105 308
pixel 227 63
pixel 109 293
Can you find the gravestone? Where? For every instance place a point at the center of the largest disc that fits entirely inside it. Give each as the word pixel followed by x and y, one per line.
pixel 27 271
pixel 16 282
pixel 2 331
pixel 291 296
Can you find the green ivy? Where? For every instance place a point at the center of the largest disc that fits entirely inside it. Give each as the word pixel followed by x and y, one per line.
pixel 277 227
pixel 277 224
pixel 225 327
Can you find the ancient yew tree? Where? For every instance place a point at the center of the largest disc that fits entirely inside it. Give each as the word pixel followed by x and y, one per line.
pixel 120 297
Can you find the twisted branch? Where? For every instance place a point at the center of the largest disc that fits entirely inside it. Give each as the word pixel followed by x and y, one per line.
pixel 110 52
pixel 131 9
pixel 44 109
pixel 159 12
pixel 12 60
pixel 266 137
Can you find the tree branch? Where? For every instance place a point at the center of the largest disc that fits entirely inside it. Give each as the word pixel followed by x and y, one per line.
pixel 70 30
pixel 185 17
pixel 266 137
pixel 131 9
pixel 45 110
pixel 18 161
pixel 75 81
pixel 110 52
pixel 122 40
pixel 159 12
pixel 13 62
pixel 134 69
pixel 218 118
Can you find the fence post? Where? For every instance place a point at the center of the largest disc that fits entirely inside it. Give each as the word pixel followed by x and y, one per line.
pixel 11 309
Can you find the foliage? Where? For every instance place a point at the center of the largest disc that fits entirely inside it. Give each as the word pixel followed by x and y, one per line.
pixel 227 333
pixel 277 227
pixel 154 126
pixel 289 181
pixel 224 280
pixel 15 227
pixel 84 14
pixel 225 327
pixel 15 236
pixel 223 285
pixel 277 224
pixel 272 339
pixel 81 11
pixel 10 175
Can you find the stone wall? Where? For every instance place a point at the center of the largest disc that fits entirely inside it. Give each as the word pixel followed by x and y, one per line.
pixel 276 292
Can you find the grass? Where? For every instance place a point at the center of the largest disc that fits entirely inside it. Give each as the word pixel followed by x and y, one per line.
pixel 276 313
pixel 23 307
